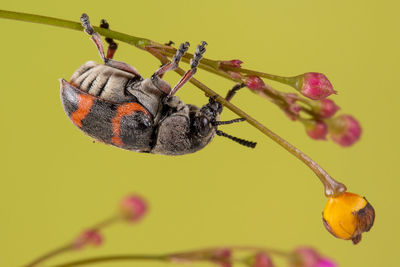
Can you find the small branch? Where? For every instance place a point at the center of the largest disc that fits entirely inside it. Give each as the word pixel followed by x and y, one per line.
pixel 51 254
pixel 207 254
pixel 113 259
pixel 106 222
pixel 133 40
pixel 332 187
pixel 72 245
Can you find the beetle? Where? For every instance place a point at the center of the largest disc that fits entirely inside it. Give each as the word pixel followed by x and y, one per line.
pixel 113 104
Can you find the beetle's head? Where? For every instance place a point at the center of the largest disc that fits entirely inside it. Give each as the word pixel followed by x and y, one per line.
pixel 203 120
pixel 206 122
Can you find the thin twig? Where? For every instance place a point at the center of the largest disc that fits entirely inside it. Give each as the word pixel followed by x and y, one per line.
pixel 332 187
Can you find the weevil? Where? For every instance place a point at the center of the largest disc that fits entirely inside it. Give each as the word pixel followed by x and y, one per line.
pixel 114 104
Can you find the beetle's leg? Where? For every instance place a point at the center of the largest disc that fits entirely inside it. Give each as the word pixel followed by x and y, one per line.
pixel 99 44
pixel 231 93
pixel 170 43
pixel 193 67
pixel 172 65
pixel 112 46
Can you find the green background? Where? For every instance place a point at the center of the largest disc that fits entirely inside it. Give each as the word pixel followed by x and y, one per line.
pixel 54 181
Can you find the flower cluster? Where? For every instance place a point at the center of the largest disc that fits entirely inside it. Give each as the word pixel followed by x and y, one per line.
pixel 132 209
pixel 314 109
pixel 257 257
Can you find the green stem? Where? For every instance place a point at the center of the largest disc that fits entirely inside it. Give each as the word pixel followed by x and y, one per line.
pixel 51 254
pixel 332 187
pixel 105 223
pixel 136 41
pixel 113 259
pixel 187 256
pixel 71 246
pixel 291 81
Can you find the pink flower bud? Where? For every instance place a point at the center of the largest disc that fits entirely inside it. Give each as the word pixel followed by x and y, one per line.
pixel 133 208
pixel 236 63
pixel 308 257
pixel 314 85
pixel 325 108
pixel 262 260
pixel 221 254
pixel 344 130
pixel 316 129
pixel 254 83
pixel 325 263
pixel 235 75
pixel 292 109
pixel 88 237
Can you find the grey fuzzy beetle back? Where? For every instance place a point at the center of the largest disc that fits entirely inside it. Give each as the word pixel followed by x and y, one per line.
pixel 115 105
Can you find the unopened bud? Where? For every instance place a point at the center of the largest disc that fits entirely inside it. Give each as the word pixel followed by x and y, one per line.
pixel 325 108
pixel 316 129
pixel 236 63
pixel 344 130
pixel 261 259
pixel 255 83
pixel 133 208
pixel 220 254
pixel 347 216
pixel 235 75
pixel 309 257
pixel 88 237
pixel 314 85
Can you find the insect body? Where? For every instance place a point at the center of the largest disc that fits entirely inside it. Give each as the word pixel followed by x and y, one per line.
pixel 115 105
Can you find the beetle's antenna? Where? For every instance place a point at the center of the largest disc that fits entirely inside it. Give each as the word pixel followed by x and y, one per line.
pixel 216 123
pixel 236 139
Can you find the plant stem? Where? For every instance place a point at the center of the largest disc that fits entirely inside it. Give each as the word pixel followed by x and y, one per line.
pixel 51 254
pixel 113 258
pixel 107 222
pixel 71 246
pixel 186 256
pixel 332 187
pixel 136 41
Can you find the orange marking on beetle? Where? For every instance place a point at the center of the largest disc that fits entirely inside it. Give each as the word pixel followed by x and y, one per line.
pixel 116 140
pixel 123 110
pixel 85 103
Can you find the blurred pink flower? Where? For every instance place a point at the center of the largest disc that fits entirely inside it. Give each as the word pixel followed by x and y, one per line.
pixel 261 259
pixel 345 130
pixel 88 237
pixel 309 257
pixel 133 207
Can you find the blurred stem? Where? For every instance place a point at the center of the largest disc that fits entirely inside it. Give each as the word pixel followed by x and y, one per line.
pixel 185 257
pixel 107 222
pixel 332 187
pixel 113 259
pixel 71 245
pixel 51 254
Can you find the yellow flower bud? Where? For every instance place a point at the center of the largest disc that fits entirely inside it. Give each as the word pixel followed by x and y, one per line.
pixel 347 216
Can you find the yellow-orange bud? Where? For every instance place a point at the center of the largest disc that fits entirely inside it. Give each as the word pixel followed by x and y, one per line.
pixel 347 216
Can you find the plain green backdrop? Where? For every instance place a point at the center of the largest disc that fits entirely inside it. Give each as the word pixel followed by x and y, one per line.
pixel 54 181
